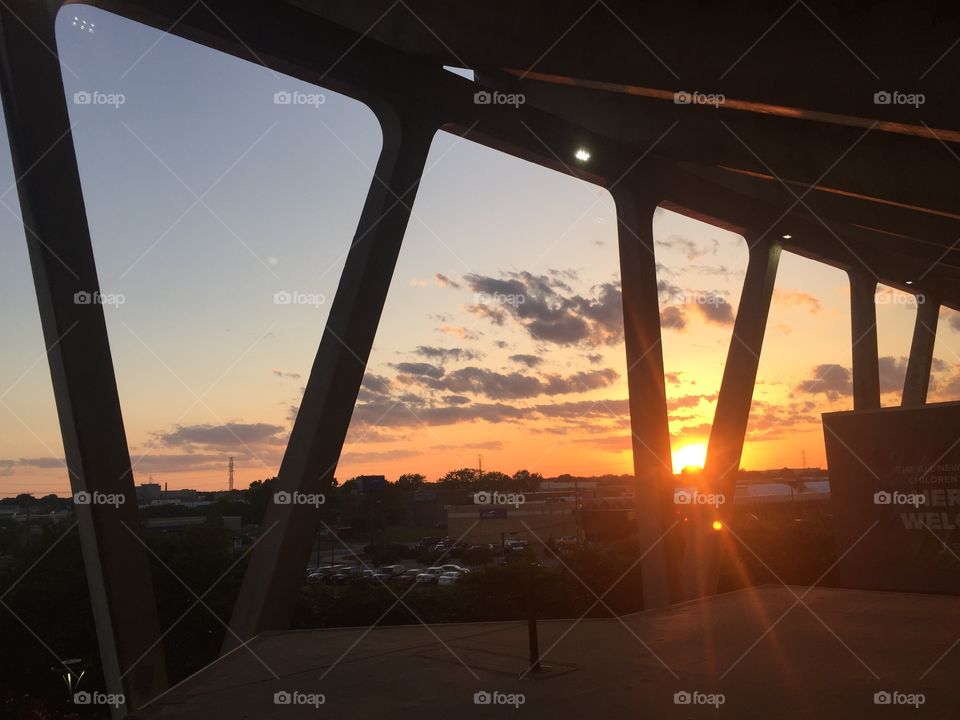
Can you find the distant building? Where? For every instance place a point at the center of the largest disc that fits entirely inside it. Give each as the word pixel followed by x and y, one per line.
pixel 148 493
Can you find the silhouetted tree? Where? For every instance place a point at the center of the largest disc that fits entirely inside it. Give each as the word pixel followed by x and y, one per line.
pixel 411 481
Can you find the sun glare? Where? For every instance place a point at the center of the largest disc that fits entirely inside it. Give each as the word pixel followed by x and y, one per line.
pixel 689 456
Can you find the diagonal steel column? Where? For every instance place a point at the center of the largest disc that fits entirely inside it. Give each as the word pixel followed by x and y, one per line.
pixel 702 553
pixel 917 380
pixel 275 572
pixel 863 322
pixel 78 351
pixel 648 399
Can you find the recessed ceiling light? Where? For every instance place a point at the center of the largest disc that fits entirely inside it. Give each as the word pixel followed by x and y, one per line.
pixel 582 155
pixel 909 282
pixel 787 237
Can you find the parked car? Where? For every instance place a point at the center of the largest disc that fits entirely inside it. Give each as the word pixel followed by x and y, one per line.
pixel 343 575
pixel 567 542
pixel 388 572
pixel 430 575
pixel 513 544
pixel 321 573
pixel 449 578
pixel 408 576
pixel 455 568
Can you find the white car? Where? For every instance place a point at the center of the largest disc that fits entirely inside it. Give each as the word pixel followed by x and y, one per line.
pixel 455 568
pixel 449 578
pixel 430 575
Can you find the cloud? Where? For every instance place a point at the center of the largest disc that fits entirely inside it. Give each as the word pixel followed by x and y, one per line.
pixel 444 281
pixel 420 370
pixel 672 318
pixel 692 250
pixel 392 414
pixel 377 384
pixel 531 361
pixel 893 371
pixel 9 465
pixel 228 436
pixel 676 303
pixel 443 354
pixel 836 381
pixel 282 374
pixel 687 401
pixel 939 365
pixel 713 270
pixel 830 379
pixel 378 455
pixel 692 432
pixel 548 309
pixel 610 443
pixel 458 331
pixel 374 386
pixel 182 462
pixel 511 386
pixel 484 445
pixel 585 409
pixel 714 309
pixel 771 421
pixel 794 297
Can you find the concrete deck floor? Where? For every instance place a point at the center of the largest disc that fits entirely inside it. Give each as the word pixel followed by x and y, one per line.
pixel 807 666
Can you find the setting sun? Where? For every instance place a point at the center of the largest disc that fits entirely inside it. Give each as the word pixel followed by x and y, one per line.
pixel 693 456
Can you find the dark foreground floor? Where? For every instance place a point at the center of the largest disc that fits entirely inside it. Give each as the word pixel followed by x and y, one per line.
pixel 827 661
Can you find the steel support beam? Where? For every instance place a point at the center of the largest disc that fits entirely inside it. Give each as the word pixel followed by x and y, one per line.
pixel 917 381
pixel 78 352
pixel 648 399
pixel 863 321
pixel 727 434
pixel 275 572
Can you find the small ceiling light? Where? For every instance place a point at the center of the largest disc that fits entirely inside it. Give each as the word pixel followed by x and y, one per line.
pixel 582 155
pixel 787 237
pixel 909 282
